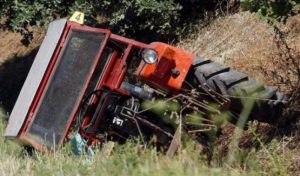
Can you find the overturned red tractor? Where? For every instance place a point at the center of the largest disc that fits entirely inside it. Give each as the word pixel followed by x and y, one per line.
pixel 92 81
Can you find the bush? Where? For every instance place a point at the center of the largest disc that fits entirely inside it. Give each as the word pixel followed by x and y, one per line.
pixel 273 10
pixel 146 20
pixel 126 17
pixel 23 14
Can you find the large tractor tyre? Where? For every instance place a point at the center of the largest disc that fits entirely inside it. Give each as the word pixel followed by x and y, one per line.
pixel 239 88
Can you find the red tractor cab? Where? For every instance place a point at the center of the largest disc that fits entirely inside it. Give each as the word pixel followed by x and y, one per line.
pixel 73 62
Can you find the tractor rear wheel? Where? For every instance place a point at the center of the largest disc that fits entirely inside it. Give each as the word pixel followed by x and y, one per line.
pixel 236 86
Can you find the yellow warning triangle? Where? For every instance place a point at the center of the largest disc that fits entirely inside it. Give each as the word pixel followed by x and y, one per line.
pixel 77 17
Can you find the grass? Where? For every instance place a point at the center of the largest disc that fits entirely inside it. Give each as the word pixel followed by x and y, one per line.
pixel 130 159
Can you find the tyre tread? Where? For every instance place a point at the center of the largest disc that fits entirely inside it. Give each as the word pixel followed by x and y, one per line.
pixel 228 82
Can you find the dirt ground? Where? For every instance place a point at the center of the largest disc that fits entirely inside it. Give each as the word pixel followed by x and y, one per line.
pixel 15 62
pixel 11 45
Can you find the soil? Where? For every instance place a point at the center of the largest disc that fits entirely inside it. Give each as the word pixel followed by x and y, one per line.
pixel 11 45
pixel 15 62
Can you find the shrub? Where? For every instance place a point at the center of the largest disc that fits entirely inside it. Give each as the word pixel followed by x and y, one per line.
pixel 127 17
pixel 146 20
pixel 273 10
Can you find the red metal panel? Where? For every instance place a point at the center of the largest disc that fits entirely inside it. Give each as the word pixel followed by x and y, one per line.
pixel 119 70
pixel 129 41
pixel 47 76
pixel 99 86
pixel 160 73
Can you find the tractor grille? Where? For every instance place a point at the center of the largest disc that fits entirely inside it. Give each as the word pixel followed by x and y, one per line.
pixel 65 87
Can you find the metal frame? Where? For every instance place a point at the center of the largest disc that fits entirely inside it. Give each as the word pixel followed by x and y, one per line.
pixel 35 76
pixel 23 136
pixel 112 81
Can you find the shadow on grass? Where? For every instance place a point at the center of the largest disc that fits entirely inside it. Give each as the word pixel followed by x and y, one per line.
pixel 13 73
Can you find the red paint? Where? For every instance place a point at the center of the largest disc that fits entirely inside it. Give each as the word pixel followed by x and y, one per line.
pixel 157 74
pixel 45 82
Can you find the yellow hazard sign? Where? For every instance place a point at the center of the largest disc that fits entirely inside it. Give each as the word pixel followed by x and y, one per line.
pixel 77 17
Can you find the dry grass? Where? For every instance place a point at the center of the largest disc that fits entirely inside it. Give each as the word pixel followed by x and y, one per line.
pixel 245 43
pixel 130 159
pixel 252 46
pixel 11 45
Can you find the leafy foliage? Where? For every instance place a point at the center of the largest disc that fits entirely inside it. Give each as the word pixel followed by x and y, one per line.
pixel 143 19
pixel 128 17
pixel 273 10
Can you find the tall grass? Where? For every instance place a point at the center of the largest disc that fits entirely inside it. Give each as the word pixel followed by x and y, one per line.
pixel 128 159
pixel 131 159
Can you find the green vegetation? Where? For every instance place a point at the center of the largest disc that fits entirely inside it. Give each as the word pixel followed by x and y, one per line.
pixel 274 10
pixel 143 19
pixel 132 159
pixel 127 17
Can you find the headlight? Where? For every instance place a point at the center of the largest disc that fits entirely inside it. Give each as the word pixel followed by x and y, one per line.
pixel 149 55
